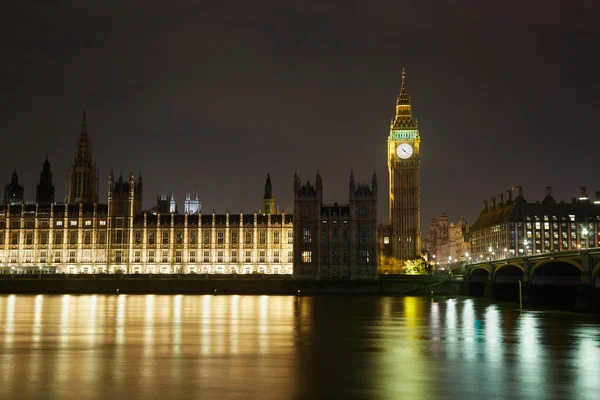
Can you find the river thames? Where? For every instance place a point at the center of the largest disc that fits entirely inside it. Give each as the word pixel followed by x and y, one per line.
pixel 287 347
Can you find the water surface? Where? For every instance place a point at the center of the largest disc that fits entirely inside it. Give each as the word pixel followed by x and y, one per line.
pixel 286 347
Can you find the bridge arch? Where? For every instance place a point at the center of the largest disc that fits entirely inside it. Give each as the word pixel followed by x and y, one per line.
pixel 480 273
pixel 555 261
pixel 506 273
pixel 556 272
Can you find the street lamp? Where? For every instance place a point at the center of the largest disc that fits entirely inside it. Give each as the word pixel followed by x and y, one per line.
pixel 526 245
pixel 584 234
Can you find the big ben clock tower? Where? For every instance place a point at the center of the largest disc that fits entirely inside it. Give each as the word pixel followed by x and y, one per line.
pixel 403 167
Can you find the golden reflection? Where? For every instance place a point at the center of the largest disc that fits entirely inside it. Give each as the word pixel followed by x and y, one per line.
pixel 120 328
pixel 205 331
pixel 149 325
pixel 9 322
pixel 93 319
pixel 64 320
pixel 234 326
pixel 263 324
pixel 37 321
pixel 177 325
pixel 403 347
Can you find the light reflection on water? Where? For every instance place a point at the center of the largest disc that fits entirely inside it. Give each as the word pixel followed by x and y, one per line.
pixel 279 347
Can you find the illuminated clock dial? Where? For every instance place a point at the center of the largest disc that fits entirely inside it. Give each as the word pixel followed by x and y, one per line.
pixel 404 150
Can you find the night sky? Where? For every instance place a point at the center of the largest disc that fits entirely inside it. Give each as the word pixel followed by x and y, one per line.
pixel 214 95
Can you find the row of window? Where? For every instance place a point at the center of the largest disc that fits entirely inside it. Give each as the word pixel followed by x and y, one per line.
pixel 334 235
pixel 58 223
pixel 363 257
pixel 163 256
pixel 120 237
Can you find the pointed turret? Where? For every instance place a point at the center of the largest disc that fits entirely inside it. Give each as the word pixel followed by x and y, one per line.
pixel 45 187
pixel 82 181
pixel 374 184
pixel 268 199
pixel 403 117
pixel 319 186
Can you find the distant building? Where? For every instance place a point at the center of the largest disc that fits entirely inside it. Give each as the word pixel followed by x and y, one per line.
pixel 335 240
pixel 517 227
pixel 192 205
pixel 448 242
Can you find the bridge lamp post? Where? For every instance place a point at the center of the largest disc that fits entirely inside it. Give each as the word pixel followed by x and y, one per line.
pixel 526 245
pixel 505 252
pixel 491 251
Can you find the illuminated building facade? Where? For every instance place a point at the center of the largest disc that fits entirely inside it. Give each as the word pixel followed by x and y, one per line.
pixel 403 153
pixel 120 237
pixel 85 236
pixel 448 242
pixel 335 240
pixel 515 227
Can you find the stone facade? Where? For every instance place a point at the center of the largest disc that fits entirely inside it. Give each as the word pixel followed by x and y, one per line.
pixel 335 240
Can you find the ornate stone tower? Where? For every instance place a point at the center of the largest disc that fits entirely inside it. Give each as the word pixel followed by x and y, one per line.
pixel 268 199
pixel 404 148
pixel 82 181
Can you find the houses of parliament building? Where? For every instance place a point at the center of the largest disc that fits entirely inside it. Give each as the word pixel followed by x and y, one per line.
pixel 83 235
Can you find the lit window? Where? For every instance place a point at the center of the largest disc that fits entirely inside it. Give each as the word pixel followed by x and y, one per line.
pixel 262 238
pixel 59 223
pixel 386 240
pixel 220 256
pixel 307 256
pixel 102 223
pixel 306 235
pixel 88 223
pixel 73 223
pixel 261 256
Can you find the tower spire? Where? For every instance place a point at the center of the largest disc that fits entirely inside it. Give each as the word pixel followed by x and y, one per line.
pixel 403 117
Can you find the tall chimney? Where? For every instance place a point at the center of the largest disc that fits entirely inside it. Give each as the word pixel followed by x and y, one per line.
pixel 500 200
pixel 485 205
pixel 548 191
pixel 519 191
pixel 508 195
pixel 493 203
pixel 597 201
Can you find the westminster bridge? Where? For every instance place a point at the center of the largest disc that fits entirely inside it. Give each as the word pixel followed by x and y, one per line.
pixel 566 278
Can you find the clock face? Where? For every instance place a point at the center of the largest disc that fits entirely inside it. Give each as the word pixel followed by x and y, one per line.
pixel 404 150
